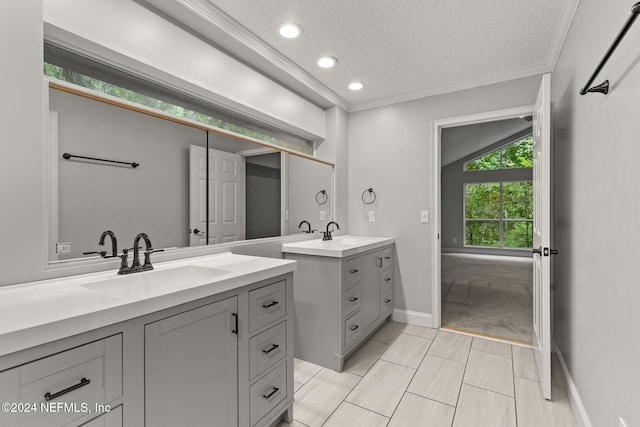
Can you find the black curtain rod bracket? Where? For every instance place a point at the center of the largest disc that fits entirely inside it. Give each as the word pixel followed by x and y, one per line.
pixel 68 156
pixel 604 86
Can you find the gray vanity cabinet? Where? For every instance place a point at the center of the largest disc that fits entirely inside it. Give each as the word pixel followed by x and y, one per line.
pixel 191 367
pixel 339 302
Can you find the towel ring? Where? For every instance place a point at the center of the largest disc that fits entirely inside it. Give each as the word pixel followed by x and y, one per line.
pixel 322 197
pixel 370 199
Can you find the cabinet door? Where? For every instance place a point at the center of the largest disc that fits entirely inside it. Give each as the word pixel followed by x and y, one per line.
pixel 191 368
pixel 370 305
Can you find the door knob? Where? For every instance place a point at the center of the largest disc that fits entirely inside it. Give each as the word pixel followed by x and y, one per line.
pixel 198 232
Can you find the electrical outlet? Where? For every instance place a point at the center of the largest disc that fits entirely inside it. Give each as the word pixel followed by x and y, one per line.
pixel 372 216
pixel 322 215
pixel 424 216
pixel 621 422
pixel 455 240
pixel 63 247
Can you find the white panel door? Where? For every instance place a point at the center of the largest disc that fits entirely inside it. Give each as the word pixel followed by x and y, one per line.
pixel 226 196
pixel 542 235
pixel 191 368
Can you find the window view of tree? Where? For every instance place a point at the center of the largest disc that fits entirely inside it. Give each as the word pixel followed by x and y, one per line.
pixel 79 79
pixel 500 214
pixel 516 155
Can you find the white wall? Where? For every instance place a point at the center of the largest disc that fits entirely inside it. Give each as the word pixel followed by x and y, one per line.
pixel 335 146
pixel 21 155
pixel 391 150
pixel 596 206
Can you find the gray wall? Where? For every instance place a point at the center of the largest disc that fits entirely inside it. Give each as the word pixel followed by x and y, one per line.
pixel 391 150
pixel 306 179
pixel 452 183
pixel 596 205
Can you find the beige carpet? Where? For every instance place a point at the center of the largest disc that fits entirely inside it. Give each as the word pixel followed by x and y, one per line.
pixel 489 295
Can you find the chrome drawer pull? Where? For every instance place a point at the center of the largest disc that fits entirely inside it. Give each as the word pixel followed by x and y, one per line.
pixel 265 306
pixel 274 391
pixel 83 382
pixel 354 327
pixel 354 271
pixel 353 299
pixel 387 301
pixel 273 347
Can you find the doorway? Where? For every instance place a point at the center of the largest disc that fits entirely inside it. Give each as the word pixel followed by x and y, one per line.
pixel 487 228
pixel 465 266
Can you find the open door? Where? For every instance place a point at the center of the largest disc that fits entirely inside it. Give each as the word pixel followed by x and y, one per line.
pixel 542 234
pixel 226 197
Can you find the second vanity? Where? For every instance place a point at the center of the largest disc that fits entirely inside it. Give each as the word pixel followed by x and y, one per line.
pixel 204 341
pixel 343 293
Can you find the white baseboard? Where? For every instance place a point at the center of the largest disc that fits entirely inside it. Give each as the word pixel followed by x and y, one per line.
pixel 579 410
pixel 413 317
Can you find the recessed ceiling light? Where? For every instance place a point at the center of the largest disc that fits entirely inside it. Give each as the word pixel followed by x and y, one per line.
pixel 290 31
pixel 327 61
pixel 356 86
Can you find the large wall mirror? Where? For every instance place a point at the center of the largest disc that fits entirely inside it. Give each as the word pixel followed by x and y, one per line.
pixel 190 186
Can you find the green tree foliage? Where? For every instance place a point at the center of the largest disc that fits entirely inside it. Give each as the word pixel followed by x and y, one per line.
pixel 487 220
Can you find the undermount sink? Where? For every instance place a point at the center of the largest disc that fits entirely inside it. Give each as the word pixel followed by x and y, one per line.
pixel 340 246
pixel 154 281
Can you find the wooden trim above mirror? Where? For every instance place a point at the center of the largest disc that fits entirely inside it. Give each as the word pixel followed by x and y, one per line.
pixel 107 99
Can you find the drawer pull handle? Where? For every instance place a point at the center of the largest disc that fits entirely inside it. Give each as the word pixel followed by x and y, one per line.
pixel 387 279
pixel 387 257
pixel 387 300
pixel 354 327
pixel 354 271
pixel 353 299
pixel 83 382
pixel 273 347
pixel 274 391
pixel 271 304
pixel 235 326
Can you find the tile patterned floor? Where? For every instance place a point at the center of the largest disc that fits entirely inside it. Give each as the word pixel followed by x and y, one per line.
pixel 410 376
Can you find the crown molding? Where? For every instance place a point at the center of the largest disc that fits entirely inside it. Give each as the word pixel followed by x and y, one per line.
pixel 469 84
pixel 210 13
pixel 562 30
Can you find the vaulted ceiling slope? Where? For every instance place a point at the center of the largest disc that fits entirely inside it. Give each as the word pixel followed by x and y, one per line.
pixel 400 50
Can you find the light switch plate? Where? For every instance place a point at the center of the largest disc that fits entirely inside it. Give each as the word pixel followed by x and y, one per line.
pixel 322 215
pixel 372 216
pixel 424 216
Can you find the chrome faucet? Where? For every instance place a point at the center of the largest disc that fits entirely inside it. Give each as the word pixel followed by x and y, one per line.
pixel 327 234
pixel 135 264
pixel 308 225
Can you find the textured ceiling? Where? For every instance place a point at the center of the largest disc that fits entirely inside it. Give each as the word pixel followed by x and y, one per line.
pixel 400 50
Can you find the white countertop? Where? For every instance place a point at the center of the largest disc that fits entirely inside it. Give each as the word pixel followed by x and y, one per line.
pixel 339 247
pixel 36 313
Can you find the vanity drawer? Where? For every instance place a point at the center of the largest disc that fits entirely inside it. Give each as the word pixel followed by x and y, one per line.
pixel 387 257
pixel 112 418
pixel 387 280
pixel 267 393
pixel 81 377
pixel 267 348
pixel 352 329
pixel 353 271
pixel 267 304
pixel 351 299
pixel 386 301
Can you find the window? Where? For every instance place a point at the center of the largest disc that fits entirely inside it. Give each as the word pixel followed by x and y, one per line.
pixel 518 154
pixel 73 68
pixel 499 214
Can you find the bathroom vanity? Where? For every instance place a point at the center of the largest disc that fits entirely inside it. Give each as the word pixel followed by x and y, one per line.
pixel 204 341
pixel 343 293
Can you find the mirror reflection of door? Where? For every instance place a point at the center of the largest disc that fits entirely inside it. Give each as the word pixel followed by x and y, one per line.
pixel 263 190
pixel 226 197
